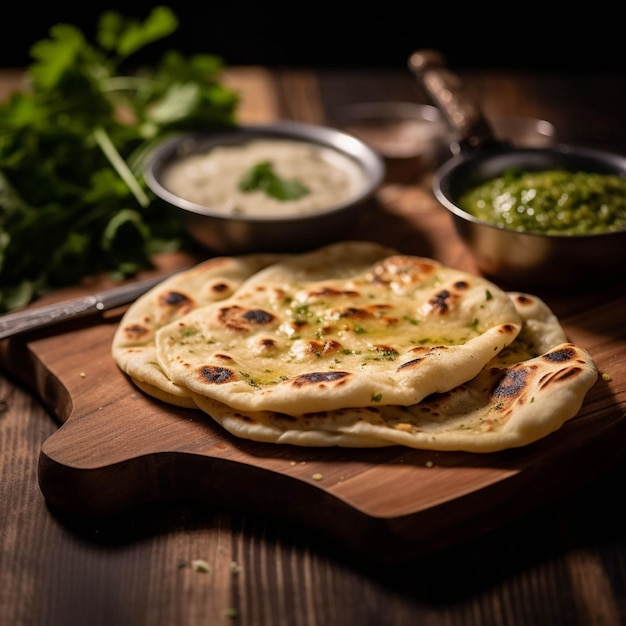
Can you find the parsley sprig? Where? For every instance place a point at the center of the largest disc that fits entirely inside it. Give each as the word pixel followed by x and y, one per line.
pixel 72 198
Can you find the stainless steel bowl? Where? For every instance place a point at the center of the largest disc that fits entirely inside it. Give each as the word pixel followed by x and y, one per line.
pixel 516 259
pixel 230 234
pixel 525 259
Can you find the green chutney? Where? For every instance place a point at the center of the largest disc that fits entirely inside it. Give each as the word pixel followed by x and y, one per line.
pixel 556 202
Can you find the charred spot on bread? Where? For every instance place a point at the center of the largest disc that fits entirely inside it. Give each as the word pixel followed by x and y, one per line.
pixel 174 299
pixel 318 377
pixel 215 375
pixel 563 355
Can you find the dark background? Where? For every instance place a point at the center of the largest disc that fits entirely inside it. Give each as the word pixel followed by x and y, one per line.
pixel 381 34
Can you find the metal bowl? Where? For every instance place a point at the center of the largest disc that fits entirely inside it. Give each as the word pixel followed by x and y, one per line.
pixel 397 130
pixel 525 259
pixel 228 233
pixel 516 259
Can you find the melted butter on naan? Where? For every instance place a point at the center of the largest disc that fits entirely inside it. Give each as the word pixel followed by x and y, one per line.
pixel 305 336
pixel 526 392
pixel 133 346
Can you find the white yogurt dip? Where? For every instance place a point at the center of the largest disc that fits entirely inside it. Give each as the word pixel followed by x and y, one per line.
pixel 211 179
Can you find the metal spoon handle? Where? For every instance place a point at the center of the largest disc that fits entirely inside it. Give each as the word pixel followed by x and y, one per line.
pixel 454 100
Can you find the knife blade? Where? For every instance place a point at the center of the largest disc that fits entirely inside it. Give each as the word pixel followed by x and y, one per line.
pixel 20 322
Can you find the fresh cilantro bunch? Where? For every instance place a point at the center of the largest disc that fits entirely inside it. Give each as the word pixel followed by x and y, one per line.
pixel 73 201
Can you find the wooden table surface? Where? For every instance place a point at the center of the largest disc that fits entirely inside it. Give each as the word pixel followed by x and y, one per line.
pixel 563 563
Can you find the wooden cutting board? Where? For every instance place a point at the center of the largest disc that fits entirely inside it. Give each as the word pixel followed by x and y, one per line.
pixel 117 448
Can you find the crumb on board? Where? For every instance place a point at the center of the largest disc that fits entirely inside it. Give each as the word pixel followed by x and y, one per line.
pixel 203 566
pixel 607 378
pixel 317 476
pixel 200 565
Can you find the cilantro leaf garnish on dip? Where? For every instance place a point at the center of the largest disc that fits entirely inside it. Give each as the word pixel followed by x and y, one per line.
pixel 262 176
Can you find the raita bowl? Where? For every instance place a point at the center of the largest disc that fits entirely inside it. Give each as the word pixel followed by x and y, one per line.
pixel 226 219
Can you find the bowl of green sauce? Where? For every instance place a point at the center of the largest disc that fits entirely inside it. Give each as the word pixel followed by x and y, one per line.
pixel 535 217
pixel 540 217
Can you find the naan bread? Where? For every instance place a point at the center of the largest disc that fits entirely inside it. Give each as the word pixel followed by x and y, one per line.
pixel 133 345
pixel 333 329
pixel 526 392
pixel 528 389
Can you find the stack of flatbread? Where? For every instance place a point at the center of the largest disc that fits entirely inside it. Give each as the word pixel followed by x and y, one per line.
pixel 355 345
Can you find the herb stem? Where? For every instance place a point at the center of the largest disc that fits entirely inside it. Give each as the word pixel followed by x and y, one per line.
pixel 104 141
pixel 124 83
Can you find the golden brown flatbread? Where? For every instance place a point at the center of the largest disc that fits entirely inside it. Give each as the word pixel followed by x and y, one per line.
pixel 527 386
pixel 133 343
pixel 527 391
pixel 318 333
pixel 133 346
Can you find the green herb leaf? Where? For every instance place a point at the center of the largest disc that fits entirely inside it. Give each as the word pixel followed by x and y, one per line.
pixel 263 178
pixel 128 36
pixel 73 201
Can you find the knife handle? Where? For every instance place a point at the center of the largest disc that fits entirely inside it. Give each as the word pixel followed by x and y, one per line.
pixel 49 314
pixel 40 317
